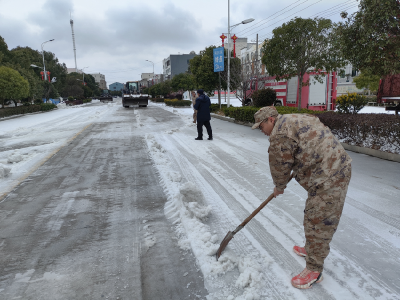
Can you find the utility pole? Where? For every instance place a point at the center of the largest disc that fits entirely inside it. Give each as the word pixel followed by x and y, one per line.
pixel 257 60
pixel 73 40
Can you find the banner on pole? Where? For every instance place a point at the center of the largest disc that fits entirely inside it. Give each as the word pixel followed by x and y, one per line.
pixel 218 59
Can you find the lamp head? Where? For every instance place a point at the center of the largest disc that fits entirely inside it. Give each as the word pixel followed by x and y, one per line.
pixel 247 21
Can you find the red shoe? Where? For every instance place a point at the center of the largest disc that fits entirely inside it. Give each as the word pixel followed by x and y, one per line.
pixel 306 279
pixel 301 251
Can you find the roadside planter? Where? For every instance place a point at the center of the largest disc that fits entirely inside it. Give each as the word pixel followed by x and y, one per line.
pixel 178 103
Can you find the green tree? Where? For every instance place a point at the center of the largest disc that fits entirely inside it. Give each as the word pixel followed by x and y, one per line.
pixel 183 82
pixel 301 46
pixel 73 86
pixel 367 80
pixel 4 53
pixel 163 88
pixel 92 84
pixel 12 85
pixel 370 37
pixel 202 67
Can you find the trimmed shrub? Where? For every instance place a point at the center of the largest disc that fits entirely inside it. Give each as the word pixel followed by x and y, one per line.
pixel 351 103
pixel 38 101
pixel 176 102
pixel 179 96
pixel 215 107
pixel 19 110
pixel 70 98
pixel 376 131
pixel 263 97
pixel 157 100
pixel 246 113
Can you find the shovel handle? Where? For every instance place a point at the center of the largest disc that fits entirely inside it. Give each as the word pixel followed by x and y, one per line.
pixel 259 208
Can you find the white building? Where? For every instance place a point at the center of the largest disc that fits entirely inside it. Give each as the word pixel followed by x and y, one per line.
pixel 345 82
pixel 249 60
pixel 240 44
pixel 146 76
pixel 71 70
pixel 101 80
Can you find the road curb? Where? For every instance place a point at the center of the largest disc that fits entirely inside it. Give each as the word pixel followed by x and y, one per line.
pixel 362 150
pixel 372 152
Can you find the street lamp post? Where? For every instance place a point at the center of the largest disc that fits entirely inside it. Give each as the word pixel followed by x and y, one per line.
pixel 83 73
pixel 44 66
pixel 153 70
pixel 229 51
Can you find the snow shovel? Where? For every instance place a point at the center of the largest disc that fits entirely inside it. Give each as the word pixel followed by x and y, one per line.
pixel 231 234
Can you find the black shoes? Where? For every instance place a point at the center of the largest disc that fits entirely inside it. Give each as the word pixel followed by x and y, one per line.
pixel 200 139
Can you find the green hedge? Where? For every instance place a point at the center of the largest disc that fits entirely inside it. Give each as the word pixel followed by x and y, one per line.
pixel 215 107
pixel 246 113
pixel 157 99
pixel 87 100
pixel 11 111
pixel 376 131
pixel 178 102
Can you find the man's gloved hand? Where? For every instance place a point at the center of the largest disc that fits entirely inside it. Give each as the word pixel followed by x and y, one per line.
pixel 277 192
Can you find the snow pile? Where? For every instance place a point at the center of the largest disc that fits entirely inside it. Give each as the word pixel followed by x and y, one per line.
pixel 149 238
pixel 61 105
pixel 15 157
pixel 4 171
pixel 250 276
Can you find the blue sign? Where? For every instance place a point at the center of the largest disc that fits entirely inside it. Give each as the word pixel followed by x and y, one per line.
pixel 218 59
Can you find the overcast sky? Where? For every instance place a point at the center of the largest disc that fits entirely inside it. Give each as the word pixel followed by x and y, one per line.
pixel 116 37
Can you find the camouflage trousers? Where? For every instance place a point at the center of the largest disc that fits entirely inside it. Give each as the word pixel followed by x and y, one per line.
pixel 322 213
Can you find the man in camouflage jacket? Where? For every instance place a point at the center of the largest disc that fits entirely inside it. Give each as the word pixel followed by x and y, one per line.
pixel 302 144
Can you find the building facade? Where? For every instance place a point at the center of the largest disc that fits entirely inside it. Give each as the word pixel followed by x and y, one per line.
pixel 101 80
pixel 146 76
pixel 345 82
pixel 241 43
pixel 176 64
pixel 116 86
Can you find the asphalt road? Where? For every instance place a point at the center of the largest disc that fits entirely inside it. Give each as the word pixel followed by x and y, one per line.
pixel 89 224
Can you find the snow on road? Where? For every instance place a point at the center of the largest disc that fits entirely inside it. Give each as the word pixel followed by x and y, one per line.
pixel 212 186
pixel 26 141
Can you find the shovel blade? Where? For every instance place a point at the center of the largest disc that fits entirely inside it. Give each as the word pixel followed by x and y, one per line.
pixel 224 243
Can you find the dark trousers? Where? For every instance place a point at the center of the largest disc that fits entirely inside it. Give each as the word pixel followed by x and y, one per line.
pixel 200 129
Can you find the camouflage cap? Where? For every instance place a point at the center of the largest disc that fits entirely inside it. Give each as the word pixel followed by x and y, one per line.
pixel 264 113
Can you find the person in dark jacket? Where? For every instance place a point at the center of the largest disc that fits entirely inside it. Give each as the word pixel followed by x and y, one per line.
pixel 202 106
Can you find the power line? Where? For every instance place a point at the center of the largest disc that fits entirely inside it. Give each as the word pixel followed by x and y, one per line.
pixel 337 11
pixel 270 33
pixel 292 14
pixel 252 26
pixel 323 12
pixel 334 8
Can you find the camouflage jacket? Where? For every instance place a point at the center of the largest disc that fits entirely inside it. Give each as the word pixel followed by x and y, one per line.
pixel 302 143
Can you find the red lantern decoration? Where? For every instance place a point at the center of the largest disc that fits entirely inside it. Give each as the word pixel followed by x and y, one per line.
pixel 234 38
pixel 223 37
pixel 42 73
